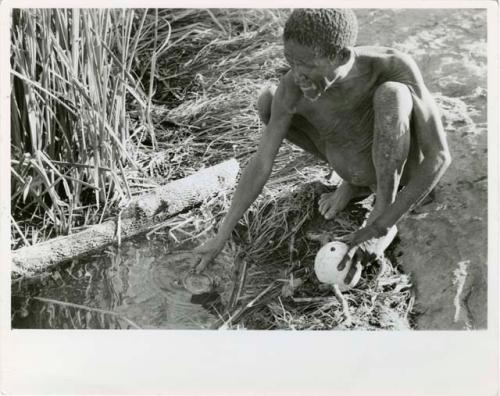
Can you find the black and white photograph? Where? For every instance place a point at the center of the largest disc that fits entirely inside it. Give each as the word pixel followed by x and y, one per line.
pixel 272 169
pixel 312 186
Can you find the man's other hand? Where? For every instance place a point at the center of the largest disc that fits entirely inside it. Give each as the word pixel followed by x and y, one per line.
pixel 207 252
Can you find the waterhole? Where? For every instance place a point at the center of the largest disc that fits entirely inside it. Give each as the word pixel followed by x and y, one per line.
pixel 142 284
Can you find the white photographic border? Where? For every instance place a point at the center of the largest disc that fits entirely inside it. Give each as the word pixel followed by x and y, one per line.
pixel 251 362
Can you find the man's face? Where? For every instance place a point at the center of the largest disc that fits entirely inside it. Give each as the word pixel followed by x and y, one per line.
pixel 312 73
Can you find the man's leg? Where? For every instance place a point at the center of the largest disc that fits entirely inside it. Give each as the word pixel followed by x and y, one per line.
pixel 392 104
pixel 391 143
pixel 303 134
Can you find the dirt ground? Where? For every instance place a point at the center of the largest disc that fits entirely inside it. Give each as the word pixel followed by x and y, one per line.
pixel 443 245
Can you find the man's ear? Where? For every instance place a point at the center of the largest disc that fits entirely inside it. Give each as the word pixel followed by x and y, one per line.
pixel 344 56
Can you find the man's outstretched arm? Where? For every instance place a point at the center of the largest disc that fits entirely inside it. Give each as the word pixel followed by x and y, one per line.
pixel 252 179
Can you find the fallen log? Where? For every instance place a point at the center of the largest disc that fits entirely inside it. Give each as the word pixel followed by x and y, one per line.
pixel 142 214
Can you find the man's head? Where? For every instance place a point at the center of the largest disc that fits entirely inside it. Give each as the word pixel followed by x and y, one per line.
pixel 317 44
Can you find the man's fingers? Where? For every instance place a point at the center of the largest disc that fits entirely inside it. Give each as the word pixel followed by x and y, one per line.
pixel 348 256
pixel 359 255
pixel 199 260
pixel 350 278
pixel 350 274
pixel 343 263
pixel 201 265
pixel 196 261
pixel 355 256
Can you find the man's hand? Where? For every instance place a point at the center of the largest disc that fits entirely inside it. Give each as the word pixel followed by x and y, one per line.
pixel 355 256
pixel 207 252
pixel 364 245
pixel 364 234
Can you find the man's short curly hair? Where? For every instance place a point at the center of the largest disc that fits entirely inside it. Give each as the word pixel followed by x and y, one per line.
pixel 325 30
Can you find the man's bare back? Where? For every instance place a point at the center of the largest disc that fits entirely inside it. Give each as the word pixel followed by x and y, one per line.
pixel 366 111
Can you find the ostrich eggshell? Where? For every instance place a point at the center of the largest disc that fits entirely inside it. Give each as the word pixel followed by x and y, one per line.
pixel 326 262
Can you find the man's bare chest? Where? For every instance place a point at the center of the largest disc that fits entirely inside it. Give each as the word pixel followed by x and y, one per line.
pixel 342 122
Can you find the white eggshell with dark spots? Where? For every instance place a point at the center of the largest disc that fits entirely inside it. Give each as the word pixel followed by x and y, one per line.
pixel 326 262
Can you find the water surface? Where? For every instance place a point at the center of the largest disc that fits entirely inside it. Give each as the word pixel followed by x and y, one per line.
pixel 139 284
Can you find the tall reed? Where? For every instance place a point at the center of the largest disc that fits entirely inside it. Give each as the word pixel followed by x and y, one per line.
pixel 106 100
pixel 72 80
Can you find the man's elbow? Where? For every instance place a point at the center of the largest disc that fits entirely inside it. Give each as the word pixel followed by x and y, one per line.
pixel 445 159
pixel 442 161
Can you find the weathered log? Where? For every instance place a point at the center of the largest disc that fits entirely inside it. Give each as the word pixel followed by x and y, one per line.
pixel 143 214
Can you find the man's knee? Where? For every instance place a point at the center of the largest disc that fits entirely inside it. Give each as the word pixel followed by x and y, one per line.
pixel 393 102
pixel 264 103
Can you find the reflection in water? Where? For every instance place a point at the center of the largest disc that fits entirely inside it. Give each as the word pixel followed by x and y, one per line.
pixel 140 284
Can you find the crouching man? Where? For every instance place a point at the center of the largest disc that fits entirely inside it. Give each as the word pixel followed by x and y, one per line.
pixel 363 110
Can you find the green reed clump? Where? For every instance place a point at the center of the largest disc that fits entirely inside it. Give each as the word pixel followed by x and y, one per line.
pixel 72 82
pixel 107 103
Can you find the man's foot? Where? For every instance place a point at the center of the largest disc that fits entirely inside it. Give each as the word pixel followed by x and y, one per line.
pixel 330 204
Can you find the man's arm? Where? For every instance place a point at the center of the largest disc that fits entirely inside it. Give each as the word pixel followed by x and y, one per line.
pixel 432 143
pixel 255 174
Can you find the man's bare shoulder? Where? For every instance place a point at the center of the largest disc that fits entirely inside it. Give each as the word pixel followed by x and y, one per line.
pixel 383 57
pixel 392 65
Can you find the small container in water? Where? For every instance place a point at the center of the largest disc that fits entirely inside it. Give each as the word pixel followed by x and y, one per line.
pixel 198 283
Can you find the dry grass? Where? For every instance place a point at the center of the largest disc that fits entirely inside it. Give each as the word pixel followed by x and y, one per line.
pixel 276 241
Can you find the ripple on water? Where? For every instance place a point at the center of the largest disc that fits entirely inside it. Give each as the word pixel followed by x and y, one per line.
pixel 144 281
pixel 171 275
